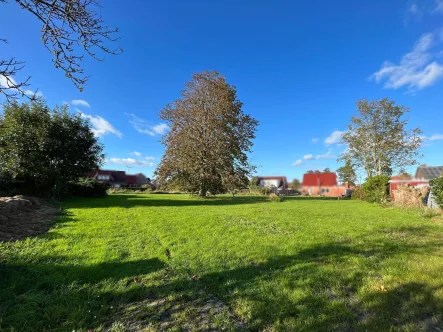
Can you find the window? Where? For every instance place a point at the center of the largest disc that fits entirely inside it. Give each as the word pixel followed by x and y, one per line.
pixel 103 177
pixel 325 190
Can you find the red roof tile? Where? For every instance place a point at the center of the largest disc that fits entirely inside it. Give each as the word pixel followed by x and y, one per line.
pixel 319 179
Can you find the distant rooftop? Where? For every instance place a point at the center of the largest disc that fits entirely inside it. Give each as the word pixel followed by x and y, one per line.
pixel 428 172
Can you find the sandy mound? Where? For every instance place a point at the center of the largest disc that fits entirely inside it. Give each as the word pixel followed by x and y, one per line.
pixel 22 216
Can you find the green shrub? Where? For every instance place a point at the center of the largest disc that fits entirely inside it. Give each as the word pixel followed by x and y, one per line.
pixel 87 188
pixel 358 193
pixel 376 189
pixel 437 190
pixel 275 198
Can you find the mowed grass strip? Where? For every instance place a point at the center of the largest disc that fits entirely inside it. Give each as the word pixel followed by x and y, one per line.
pixel 133 262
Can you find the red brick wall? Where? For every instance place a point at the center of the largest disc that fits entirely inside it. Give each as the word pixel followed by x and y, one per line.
pixel 317 191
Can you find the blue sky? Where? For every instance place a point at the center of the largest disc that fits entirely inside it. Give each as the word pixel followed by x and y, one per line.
pixel 299 68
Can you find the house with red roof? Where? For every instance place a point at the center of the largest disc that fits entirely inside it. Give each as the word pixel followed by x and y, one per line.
pixel 322 184
pixel 117 179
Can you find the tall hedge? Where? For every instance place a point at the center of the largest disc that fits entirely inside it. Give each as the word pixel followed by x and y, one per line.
pixel 437 190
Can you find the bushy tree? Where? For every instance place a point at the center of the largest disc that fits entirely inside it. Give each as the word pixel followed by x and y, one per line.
pixel 296 184
pixel 437 190
pixel 347 174
pixel 376 189
pixel 378 140
pixel 44 149
pixel 209 138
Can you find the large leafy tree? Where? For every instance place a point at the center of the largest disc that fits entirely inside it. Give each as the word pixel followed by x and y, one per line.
pixel 44 148
pixel 378 139
pixel 70 29
pixel 209 137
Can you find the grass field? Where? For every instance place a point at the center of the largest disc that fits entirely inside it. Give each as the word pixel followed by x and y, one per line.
pixel 134 262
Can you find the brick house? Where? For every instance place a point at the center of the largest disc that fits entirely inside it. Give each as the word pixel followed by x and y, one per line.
pixel 423 175
pixel 322 184
pixel 117 179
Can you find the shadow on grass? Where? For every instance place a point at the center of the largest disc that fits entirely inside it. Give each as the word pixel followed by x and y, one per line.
pixel 132 200
pixel 316 289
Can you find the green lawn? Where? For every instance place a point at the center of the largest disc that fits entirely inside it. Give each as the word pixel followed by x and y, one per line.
pixel 133 262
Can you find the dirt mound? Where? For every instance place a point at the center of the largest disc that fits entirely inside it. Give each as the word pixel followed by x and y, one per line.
pixel 22 216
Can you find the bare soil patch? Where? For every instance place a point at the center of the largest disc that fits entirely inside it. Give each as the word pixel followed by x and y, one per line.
pixel 22 216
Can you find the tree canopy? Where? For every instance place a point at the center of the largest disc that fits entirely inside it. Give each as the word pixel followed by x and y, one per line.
pixel 67 27
pixel 378 139
pixel 44 149
pixel 347 174
pixel 296 184
pixel 206 149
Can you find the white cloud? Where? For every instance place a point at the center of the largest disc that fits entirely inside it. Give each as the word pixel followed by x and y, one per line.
pixel 418 69
pixel 130 162
pixel 308 157
pixel 334 138
pixel 100 126
pixel 327 155
pixel 434 137
pixel 150 158
pixel 79 102
pixel 144 127
pixel 315 140
pixel 31 93
pixel 160 128
pixel 297 163
pixel 439 6
pixel 413 9
pixel 9 83
pixel 137 154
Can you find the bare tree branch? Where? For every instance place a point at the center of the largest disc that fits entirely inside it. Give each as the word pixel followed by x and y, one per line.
pixel 67 25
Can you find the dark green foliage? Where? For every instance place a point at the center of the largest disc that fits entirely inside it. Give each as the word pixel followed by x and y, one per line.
pixel 437 190
pixel 87 187
pixel 346 174
pixel 376 189
pixel 42 150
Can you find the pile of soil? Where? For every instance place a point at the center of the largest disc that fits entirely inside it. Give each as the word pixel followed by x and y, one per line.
pixel 22 216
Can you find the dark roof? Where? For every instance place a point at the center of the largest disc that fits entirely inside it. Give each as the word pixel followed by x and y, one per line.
pixel 119 176
pixel 131 179
pixel 319 179
pixel 429 172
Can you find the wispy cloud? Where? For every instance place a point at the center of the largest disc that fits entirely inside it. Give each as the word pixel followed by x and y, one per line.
pixel 145 127
pixel 135 153
pixel 438 7
pixel 308 157
pixel 130 162
pixel 80 102
pixel 334 138
pixel 417 69
pixel 327 155
pixel 413 9
pixel 434 137
pixel 150 158
pixel 100 127
pixel 297 163
pixel 315 140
